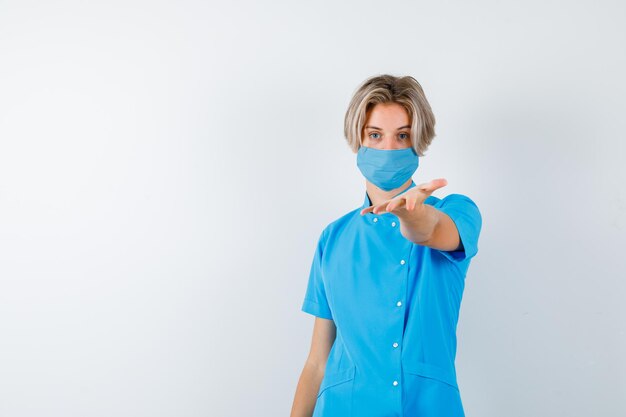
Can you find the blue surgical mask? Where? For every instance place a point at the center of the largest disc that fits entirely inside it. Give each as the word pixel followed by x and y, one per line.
pixel 387 169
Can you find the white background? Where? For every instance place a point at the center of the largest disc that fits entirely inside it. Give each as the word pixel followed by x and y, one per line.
pixel 167 167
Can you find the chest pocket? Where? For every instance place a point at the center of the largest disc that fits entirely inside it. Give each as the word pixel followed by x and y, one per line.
pixel 335 394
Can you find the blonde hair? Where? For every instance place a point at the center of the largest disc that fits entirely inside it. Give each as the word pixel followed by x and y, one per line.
pixel 386 88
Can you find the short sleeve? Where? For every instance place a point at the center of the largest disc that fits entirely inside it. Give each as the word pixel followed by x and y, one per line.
pixel 465 214
pixel 315 301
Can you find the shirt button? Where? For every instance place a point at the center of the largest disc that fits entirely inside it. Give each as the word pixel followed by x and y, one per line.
pixel 402 262
pixel 395 344
pixel 393 224
pixel 395 383
pixel 375 219
pixel 399 303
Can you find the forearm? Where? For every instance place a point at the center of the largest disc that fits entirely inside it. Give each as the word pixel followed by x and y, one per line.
pixel 419 226
pixel 307 390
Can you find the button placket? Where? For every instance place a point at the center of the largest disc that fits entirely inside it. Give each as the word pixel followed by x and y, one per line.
pixel 402 273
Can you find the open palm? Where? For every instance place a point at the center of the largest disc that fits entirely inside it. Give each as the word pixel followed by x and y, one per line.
pixel 411 200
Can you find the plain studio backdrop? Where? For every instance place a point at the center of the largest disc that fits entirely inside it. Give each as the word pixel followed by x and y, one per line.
pixel 167 167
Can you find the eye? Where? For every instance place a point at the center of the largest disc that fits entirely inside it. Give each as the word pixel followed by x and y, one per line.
pixel 405 137
pixel 374 133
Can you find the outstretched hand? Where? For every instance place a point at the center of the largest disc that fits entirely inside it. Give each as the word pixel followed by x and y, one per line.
pixel 410 202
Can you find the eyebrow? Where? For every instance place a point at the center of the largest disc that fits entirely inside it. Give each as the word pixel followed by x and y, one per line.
pixel 378 128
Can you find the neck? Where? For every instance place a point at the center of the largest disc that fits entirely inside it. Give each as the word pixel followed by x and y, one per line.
pixel 378 195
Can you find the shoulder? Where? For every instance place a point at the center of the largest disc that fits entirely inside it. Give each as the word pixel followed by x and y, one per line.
pixel 455 199
pixel 462 209
pixel 457 205
pixel 467 218
pixel 340 224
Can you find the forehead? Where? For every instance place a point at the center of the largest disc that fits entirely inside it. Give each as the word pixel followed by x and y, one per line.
pixel 388 113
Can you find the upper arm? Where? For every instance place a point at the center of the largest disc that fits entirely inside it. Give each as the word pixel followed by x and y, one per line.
pixel 445 235
pixel 457 231
pixel 315 301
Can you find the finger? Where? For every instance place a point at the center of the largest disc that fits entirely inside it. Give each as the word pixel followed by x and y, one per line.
pixel 380 209
pixel 410 203
pixel 433 185
pixel 395 203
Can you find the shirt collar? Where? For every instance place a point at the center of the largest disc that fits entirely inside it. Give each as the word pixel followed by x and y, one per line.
pixel 367 202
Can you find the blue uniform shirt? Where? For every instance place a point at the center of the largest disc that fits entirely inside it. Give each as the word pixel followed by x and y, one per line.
pixel 395 305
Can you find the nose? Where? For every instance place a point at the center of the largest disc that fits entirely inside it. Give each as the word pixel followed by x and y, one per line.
pixel 390 143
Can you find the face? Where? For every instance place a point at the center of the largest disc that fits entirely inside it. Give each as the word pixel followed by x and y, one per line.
pixel 388 126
